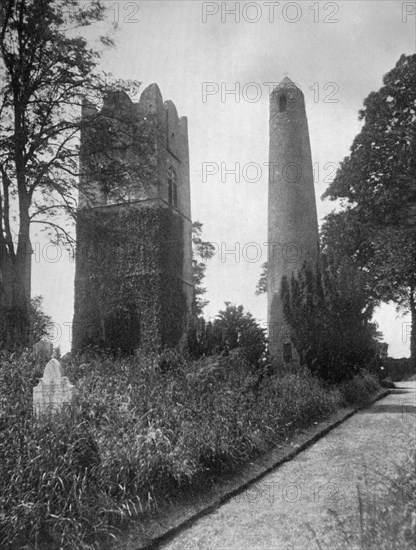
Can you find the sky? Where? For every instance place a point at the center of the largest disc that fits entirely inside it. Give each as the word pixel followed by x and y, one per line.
pixel 217 61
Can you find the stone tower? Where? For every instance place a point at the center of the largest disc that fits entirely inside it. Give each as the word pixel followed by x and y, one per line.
pixel 133 279
pixel 292 219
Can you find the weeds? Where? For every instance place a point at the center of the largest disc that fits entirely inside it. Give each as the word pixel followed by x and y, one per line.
pixel 385 521
pixel 137 432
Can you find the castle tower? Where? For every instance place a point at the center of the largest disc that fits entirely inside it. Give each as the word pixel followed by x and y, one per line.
pixel 292 219
pixel 133 279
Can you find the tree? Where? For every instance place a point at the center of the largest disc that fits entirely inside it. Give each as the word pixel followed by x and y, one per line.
pixel 46 70
pixel 201 252
pixel 377 186
pixel 231 329
pixel 261 287
pixel 327 310
pixel 41 324
pixel 239 329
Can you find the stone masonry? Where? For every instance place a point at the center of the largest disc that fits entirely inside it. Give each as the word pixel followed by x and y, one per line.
pixel 133 280
pixel 292 220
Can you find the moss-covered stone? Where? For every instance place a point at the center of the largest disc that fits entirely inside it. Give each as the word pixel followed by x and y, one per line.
pixel 128 285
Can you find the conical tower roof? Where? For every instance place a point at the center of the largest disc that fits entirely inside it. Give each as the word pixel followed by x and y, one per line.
pixel 287 83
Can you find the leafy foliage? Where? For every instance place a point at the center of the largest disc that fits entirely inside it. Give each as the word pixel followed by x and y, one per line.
pixel 377 186
pixel 46 69
pixel 261 287
pixel 201 252
pixel 41 324
pixel 232 329
pixel 327 310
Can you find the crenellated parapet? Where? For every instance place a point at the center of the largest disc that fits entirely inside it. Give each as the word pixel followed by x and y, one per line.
pixel 129 148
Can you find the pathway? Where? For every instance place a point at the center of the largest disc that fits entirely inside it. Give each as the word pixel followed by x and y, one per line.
pixel 283 509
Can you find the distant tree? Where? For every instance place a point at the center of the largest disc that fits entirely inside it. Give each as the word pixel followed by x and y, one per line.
pixel 46 70
pixel 41 324
pixel 261 287
pixel 202 251
pixel 233 328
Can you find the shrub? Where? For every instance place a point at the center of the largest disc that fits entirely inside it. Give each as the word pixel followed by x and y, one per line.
pixel 359 389
pixel 327 308
pixel 397 369
pixel 233 328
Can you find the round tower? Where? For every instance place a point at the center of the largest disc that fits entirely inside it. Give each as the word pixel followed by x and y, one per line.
pixel 292 219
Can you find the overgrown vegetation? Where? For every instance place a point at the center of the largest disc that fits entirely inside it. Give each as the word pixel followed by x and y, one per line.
pixel 398 369
pixel 232 328
pixel 143 248
pixel 327 309
pixel 141 429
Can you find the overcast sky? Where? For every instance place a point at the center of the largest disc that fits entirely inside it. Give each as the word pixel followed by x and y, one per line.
pixel 198 52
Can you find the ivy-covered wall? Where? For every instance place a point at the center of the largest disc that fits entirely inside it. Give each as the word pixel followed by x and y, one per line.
pixel 128 281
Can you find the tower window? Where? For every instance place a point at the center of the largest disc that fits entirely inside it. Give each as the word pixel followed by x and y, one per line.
pixel 172 188
pixel 282 103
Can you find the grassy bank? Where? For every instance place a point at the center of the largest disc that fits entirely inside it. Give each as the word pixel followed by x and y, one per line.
pixel 140 428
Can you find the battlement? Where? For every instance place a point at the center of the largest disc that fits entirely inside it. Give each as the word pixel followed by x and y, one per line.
pixel 133 151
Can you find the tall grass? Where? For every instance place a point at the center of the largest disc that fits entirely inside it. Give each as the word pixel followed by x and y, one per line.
pixel 139 429
pixel 381 521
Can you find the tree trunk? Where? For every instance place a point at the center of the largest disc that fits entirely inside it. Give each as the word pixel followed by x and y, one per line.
pixel 15 295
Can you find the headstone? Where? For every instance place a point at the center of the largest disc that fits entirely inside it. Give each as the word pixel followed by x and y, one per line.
pixel 53 390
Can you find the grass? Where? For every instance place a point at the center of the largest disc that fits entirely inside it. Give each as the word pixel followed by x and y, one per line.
pixel 359 390
pixel 389 523
pixel 140 429
pixel 381 522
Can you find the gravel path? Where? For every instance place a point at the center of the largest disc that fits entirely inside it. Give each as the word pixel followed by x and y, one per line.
pixel 297 504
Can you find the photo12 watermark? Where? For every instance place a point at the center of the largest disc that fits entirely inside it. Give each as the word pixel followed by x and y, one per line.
pixel 254 172
pixel 409 12
pixel 253 92
pixel 406 332
pixel 291 492
pixel 270 11
pixel 117 11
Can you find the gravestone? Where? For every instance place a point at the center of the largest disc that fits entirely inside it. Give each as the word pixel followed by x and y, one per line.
pixel 53 390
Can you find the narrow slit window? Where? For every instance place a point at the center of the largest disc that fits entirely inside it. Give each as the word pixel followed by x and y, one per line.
pixel 282 103
pixel 172 188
